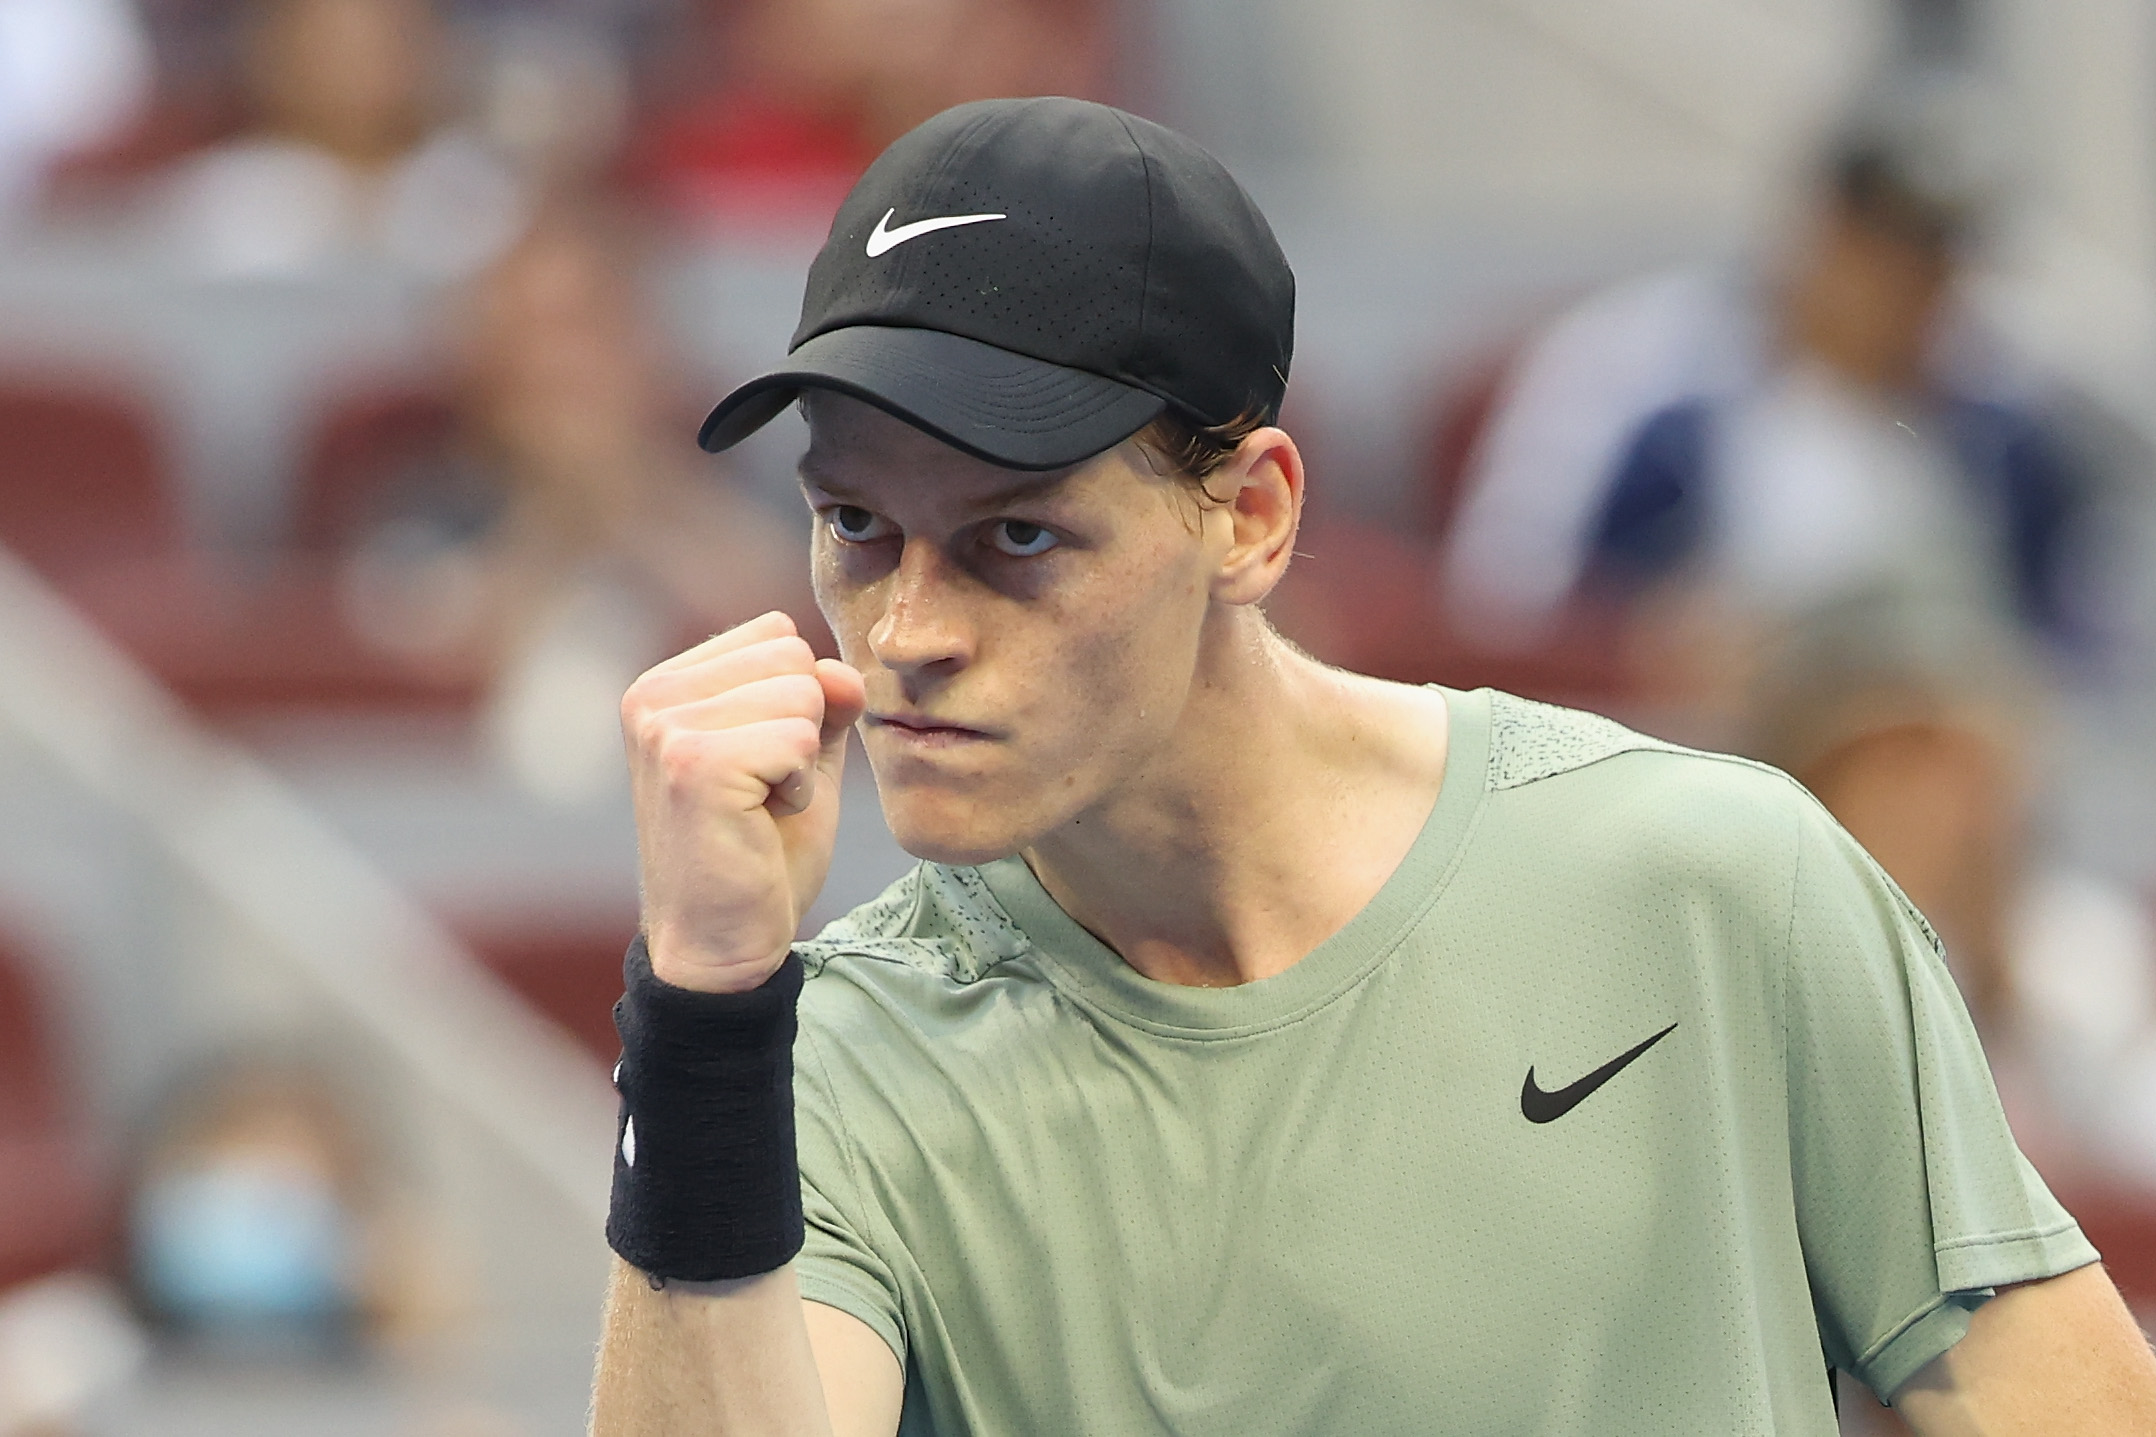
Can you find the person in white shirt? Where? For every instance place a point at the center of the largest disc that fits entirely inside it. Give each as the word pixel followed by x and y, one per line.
pixel 346 163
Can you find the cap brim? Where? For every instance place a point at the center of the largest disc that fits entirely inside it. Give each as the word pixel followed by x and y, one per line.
pixel 1006 408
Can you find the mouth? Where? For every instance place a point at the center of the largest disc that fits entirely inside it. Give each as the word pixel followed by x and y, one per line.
pixel 919 730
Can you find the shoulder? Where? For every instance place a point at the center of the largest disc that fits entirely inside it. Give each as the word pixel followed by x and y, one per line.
pixel 1606 792
pixel 1730 856
pixel 1533 742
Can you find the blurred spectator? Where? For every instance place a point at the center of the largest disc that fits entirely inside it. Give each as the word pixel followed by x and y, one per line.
pixel 1920 728
pixel 262 1224
pixel 1742 450
pixel 71 73
pixel 64 1341
pixel 346 159
pixel 784 102
pixel 571 538
pixel 551 96
pixel 65 1334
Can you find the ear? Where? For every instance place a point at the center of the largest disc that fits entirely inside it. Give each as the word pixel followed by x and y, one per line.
pixel 1261 514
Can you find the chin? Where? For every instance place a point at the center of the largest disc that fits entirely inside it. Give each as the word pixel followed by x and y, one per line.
pixel 956 833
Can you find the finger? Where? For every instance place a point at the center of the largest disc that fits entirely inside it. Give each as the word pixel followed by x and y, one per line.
pixel 776 697
pixel 774 625
pixel 793 794
pixel 845 698
pixel 746 761
pixel 661 688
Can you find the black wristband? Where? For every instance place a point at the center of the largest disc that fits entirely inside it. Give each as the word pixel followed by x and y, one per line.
pixel 706 1184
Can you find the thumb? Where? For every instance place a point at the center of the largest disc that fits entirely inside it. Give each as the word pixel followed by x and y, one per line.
pixel 845 699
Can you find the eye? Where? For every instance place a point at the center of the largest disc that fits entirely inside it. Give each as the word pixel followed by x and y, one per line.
pixel 1019 539
pixel 856 525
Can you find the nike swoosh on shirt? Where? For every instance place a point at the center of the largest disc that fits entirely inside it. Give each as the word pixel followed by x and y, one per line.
pixel 881 239
pixel 1539 1107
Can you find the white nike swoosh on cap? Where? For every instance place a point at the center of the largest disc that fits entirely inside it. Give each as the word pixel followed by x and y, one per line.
pixel 881 239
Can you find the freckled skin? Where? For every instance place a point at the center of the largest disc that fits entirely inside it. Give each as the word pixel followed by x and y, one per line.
pixel 1077 662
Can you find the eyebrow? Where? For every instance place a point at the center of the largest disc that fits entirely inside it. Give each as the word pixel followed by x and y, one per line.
pixel 1034 487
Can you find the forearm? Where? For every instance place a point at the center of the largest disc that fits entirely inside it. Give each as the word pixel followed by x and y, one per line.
pixel 736 751
pixel 719 1358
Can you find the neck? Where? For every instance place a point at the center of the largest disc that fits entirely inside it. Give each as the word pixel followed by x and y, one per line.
pixel 1287 796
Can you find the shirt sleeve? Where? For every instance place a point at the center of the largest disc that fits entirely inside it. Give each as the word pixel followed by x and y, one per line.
pixel 837 1265
pixel 1913 1202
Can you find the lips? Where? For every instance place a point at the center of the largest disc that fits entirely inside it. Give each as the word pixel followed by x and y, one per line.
pixel 920 728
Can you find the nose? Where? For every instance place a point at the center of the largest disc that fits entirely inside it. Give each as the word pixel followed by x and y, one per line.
pixel 922 626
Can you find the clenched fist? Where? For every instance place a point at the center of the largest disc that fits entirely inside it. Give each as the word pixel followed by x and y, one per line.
pixel 735 752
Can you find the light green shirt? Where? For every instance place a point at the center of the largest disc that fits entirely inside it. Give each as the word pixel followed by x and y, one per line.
pixel 1074 1200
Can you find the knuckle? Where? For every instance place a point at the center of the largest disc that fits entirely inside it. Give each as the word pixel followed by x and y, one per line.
pixel 645 724
pixel 679 757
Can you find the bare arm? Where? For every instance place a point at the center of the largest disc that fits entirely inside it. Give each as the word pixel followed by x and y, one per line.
pixel 739 1357
pixel 735 752
pixel 2060 1358
pixel 720 1357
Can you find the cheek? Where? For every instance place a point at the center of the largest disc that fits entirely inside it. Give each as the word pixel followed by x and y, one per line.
pixel 823 579
pixel 841 601
pixel 1130 650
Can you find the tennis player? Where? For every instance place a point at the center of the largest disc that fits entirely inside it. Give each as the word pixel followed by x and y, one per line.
pixel 1258 1047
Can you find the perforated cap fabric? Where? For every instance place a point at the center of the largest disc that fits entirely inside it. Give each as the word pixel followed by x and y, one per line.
pixel 1033 281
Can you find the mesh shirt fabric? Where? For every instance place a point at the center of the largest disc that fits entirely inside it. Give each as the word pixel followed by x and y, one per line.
pixel 1075 1200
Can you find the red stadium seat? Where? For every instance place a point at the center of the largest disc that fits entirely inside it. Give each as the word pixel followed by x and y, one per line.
pixel 570 971
pixel 276 639
pixel 53 1214
pixel 82 479
pixel 364 448
pixel 237 646
pixel 86 498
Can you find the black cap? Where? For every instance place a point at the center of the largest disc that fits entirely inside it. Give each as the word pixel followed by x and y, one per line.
pixel 1034 281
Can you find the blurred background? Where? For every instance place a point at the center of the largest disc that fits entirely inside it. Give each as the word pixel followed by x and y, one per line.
pixel 1775 375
